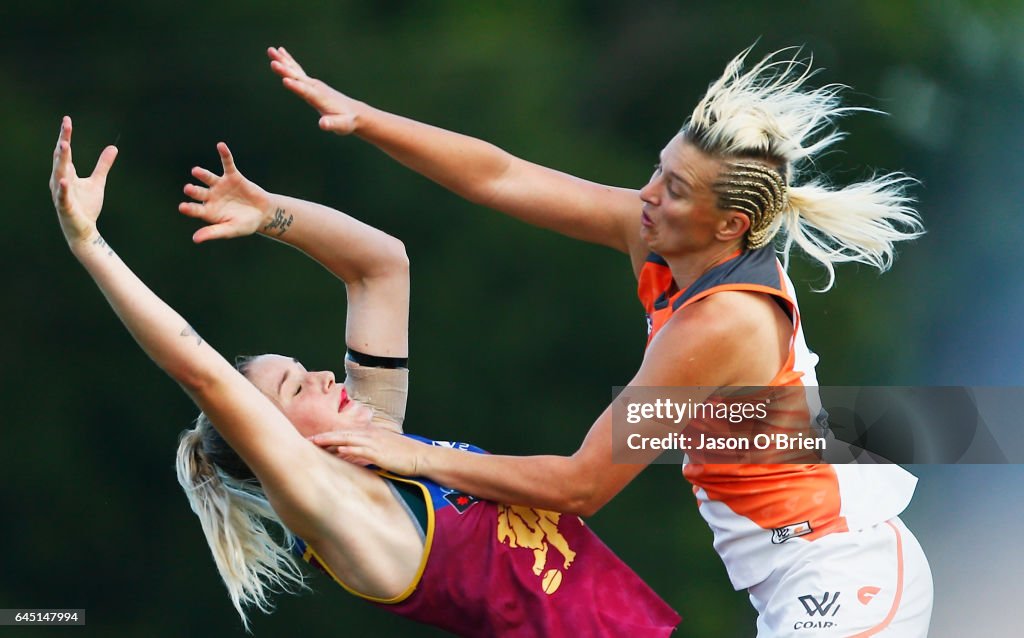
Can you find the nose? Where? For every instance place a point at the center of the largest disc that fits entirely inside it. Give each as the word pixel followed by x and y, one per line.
pixel 326 379
pixel 648 194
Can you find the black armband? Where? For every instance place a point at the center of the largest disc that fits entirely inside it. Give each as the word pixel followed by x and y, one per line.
pixel 373 361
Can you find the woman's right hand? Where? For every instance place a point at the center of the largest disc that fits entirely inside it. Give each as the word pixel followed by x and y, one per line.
pixel 338 112
pixel 232 205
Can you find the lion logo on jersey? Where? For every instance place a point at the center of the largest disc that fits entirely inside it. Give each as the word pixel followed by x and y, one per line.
pixel 537 530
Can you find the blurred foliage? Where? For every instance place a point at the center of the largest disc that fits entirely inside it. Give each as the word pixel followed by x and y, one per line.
pixel 517 335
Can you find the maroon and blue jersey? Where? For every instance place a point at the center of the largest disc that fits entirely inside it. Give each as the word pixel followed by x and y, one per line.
pixel 519 572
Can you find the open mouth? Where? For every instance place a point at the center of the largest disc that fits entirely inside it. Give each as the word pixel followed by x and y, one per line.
pixel 344 399
pixel 645 220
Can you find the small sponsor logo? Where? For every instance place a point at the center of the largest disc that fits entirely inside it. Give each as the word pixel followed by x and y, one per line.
pixel 822 607
pixel 865 594
pixel 782 534
pixel 815 624
pixel 461 502
pixel 650 325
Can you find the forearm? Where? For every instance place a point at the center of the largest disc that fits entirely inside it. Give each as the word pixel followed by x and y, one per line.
pixel 161 332
pixel 465 165
pixel 487 175
pixel 347 247
pixel 556 483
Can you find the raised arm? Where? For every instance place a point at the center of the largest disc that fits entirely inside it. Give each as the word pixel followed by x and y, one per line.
pixel 476 170
pixel 372 263
pixel 285 463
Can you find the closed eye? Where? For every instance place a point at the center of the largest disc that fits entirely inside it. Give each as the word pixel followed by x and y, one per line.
pixel 298 390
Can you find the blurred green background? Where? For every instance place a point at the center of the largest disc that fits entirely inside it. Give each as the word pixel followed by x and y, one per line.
pixel 517 335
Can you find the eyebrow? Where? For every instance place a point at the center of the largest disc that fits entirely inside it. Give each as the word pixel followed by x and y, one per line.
pixel 679 178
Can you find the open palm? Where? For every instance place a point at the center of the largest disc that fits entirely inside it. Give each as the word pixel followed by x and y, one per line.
pixel 230 204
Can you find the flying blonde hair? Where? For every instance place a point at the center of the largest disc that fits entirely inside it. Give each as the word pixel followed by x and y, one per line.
pixel 234 513
pixel 766 115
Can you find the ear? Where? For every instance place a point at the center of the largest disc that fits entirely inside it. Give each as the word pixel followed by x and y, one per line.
pixel 734 225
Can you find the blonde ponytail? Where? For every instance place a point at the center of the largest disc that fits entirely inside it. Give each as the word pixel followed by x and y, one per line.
pixel 860 222
pixel 233 512
pixel 766 115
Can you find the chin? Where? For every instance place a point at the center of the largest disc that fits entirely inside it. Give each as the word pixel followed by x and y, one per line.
pixel 650 240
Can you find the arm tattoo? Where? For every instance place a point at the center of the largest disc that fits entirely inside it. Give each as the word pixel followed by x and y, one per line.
pixel 280 222
pixel 189 331
pixel 102 243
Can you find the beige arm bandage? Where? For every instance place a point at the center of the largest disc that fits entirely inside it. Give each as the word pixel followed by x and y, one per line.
pixel 386 390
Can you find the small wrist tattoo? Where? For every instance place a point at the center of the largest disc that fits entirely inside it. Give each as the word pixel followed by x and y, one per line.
pixel 280 223
pixel 102 243
pixel 189 331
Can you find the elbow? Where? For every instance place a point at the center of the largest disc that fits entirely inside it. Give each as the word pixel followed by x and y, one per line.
pixel 586 505
pixel 397 258
pixel 585 497
pixel 486 187
pixel 391 261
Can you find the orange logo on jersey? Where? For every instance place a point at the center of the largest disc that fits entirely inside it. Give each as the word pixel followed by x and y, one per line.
pixel 537 530
pixel 865 594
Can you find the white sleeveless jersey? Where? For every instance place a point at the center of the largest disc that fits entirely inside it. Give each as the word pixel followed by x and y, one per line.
pixel 761 514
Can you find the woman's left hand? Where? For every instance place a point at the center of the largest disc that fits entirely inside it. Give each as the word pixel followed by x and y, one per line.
pixel 78 200
pixel 375 446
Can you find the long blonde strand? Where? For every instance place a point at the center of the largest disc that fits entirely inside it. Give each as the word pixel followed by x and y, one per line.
pixel 233 514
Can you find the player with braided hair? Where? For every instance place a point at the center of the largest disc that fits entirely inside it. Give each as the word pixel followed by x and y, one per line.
pixel 820 548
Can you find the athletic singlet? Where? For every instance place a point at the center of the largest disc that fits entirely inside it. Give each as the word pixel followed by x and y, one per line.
pixel 760 514
pixel 498 570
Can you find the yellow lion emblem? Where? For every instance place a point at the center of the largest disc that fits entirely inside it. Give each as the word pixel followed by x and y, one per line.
pixel 537 530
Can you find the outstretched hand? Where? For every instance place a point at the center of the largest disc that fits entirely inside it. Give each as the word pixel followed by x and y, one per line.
pixel 338 112
pixel 378 446
pixel 78 200
pixel 231 204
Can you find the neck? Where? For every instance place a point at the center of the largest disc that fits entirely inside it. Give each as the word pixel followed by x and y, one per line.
pixel 688 268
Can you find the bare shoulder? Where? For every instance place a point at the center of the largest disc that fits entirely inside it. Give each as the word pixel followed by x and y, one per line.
pixel 728 338
pixel 324 490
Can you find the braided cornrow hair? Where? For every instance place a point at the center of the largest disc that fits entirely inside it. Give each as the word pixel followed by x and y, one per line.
pixel 757 191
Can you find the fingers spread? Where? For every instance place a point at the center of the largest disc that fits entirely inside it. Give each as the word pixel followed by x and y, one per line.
pixel 62 165
pixel 207 177
pixel 63 136
pixel 65 129
pixel 104 163
pixel 207 233
pixel 191 209
pixel 63 147
pixel 197 193
pixel 226 160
